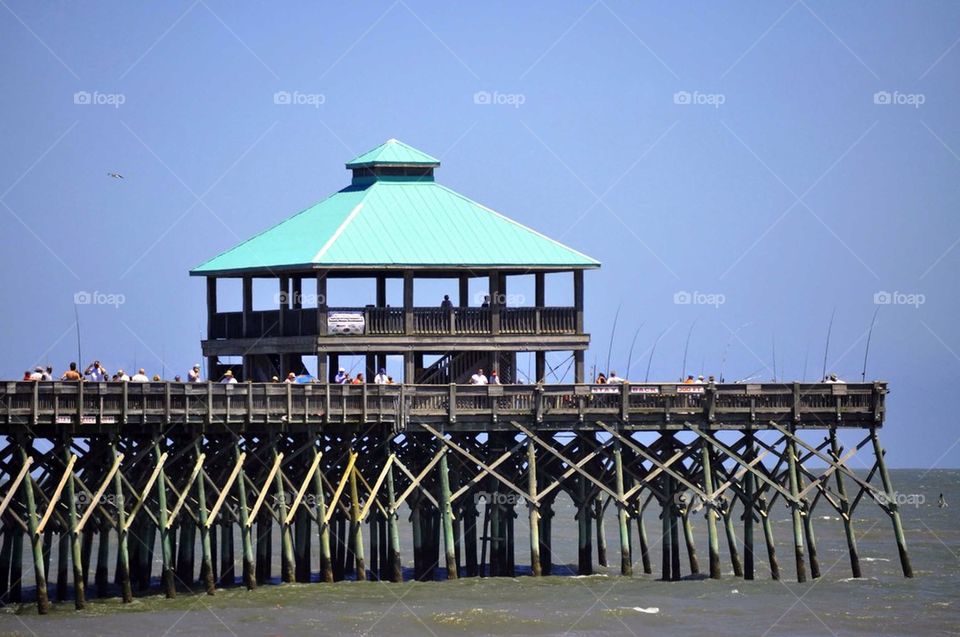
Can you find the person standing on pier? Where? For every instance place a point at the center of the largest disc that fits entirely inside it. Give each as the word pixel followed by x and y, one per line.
pixel 358 380
pixel 193 376
pixel 381 377
pixel 600 380
pixel 228 378
pixel 140 376
pixel 613 379
pixel 48 373
pixel 494 379
pixel 71 374
pixel 479 378
pixel 291 378
pixel 95 373
pixel 341 377
pixel 446 303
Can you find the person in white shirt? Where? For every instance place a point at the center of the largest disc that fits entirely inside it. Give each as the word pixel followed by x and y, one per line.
pixel 479 378
pixel 381 378
pixel 140 377
pixel 122 376
pixel 193 376
pixel 96 373
pixel 699 380
pixel 228 378
pixel 613 379
pixel 291 378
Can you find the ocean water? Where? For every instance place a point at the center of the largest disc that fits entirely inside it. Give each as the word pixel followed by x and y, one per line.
pixel 883 602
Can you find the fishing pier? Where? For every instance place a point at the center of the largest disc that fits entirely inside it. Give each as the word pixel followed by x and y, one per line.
pixel 194 484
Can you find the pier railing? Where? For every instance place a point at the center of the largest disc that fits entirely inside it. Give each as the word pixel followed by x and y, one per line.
pixel 385 321
pixel 470 407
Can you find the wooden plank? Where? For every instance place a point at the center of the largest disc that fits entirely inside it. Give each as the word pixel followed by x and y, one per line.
pixel 303 488
pixel 100 490
pixel 376 487
pixel 340 487
pixel 415 480
pixel 226 489
pixel 143 495
pixel 52 504
pixel 186 490
pixel 266 487
pixel 15 485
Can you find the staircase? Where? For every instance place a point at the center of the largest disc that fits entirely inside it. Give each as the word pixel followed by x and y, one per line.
pixel 458 367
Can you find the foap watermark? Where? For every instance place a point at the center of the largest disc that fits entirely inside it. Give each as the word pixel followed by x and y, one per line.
pixel 512 300
pixel 696 98
pixel 699 298
pixel 507 498
pixel 899 298
pixel 496 98
pixel 915 500
pixel 896 98
pixel 96 98
pixel 296 98
pixel 300 299
pixel 83 500
pixel 83 297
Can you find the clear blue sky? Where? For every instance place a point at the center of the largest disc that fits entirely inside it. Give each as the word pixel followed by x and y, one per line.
pixel 739 152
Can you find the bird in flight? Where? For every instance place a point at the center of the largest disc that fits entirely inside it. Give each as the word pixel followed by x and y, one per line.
pixel 115 175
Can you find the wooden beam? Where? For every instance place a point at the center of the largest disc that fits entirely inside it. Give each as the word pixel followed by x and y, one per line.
pixel 52 504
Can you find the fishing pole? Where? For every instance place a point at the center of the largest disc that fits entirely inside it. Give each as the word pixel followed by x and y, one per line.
pixel 683 373
pixel 773 344
pixel 826 347
pixel 76 316
pixel 726 348
pixel 613 331
pixel 866 352
pixel 806 355
pixel 653 349
pixel 630 355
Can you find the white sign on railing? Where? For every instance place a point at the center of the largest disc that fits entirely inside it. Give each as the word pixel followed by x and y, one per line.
pixel 689 389
pixel 346 323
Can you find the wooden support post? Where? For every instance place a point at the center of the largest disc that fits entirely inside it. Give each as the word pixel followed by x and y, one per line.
pixel 665 536
pixel 688 539
pixel 711 506
pixel 446 512
pixel 79 589
pixel 408 370
pixel 585 550
pixel 732 543
pixel 463 297
pixel 123 555
pixel 36 539
pixel 206 559
pixel 674 532
pixel 356 528
pixel 495 301
pixel 247 309
pixel 323 525
pixel 846 514
pixel 248 574
pixel 286 538
pixel 539 366
pixel 893 507
pixel 211 306
pixel 395 568
pixel 578 302
pixel 167 581
pixel 808 529
pixel 748 488
pixel 535 567
pixel 626 564
pixel 578 367
pixel 768 539
pixel 791 451
pixel 642 536
pixel 408 304
pixel 601 534
pixel 322 304
pixel 102 577
pixel 63 579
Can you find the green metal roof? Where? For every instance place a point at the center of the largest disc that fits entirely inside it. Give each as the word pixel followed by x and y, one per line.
pixel 407 222
pixel 393 152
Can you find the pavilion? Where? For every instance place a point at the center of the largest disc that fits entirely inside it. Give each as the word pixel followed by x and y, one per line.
pixel 395 221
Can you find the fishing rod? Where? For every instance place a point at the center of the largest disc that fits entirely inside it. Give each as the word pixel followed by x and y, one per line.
pixel 653 349
pixel 806 355
pixel 863 374
pixel 773 344
pixel 613 331
pixel 683 373
pixel 826 347
pixel 630 355
pixel 76 316
pixel 726 348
